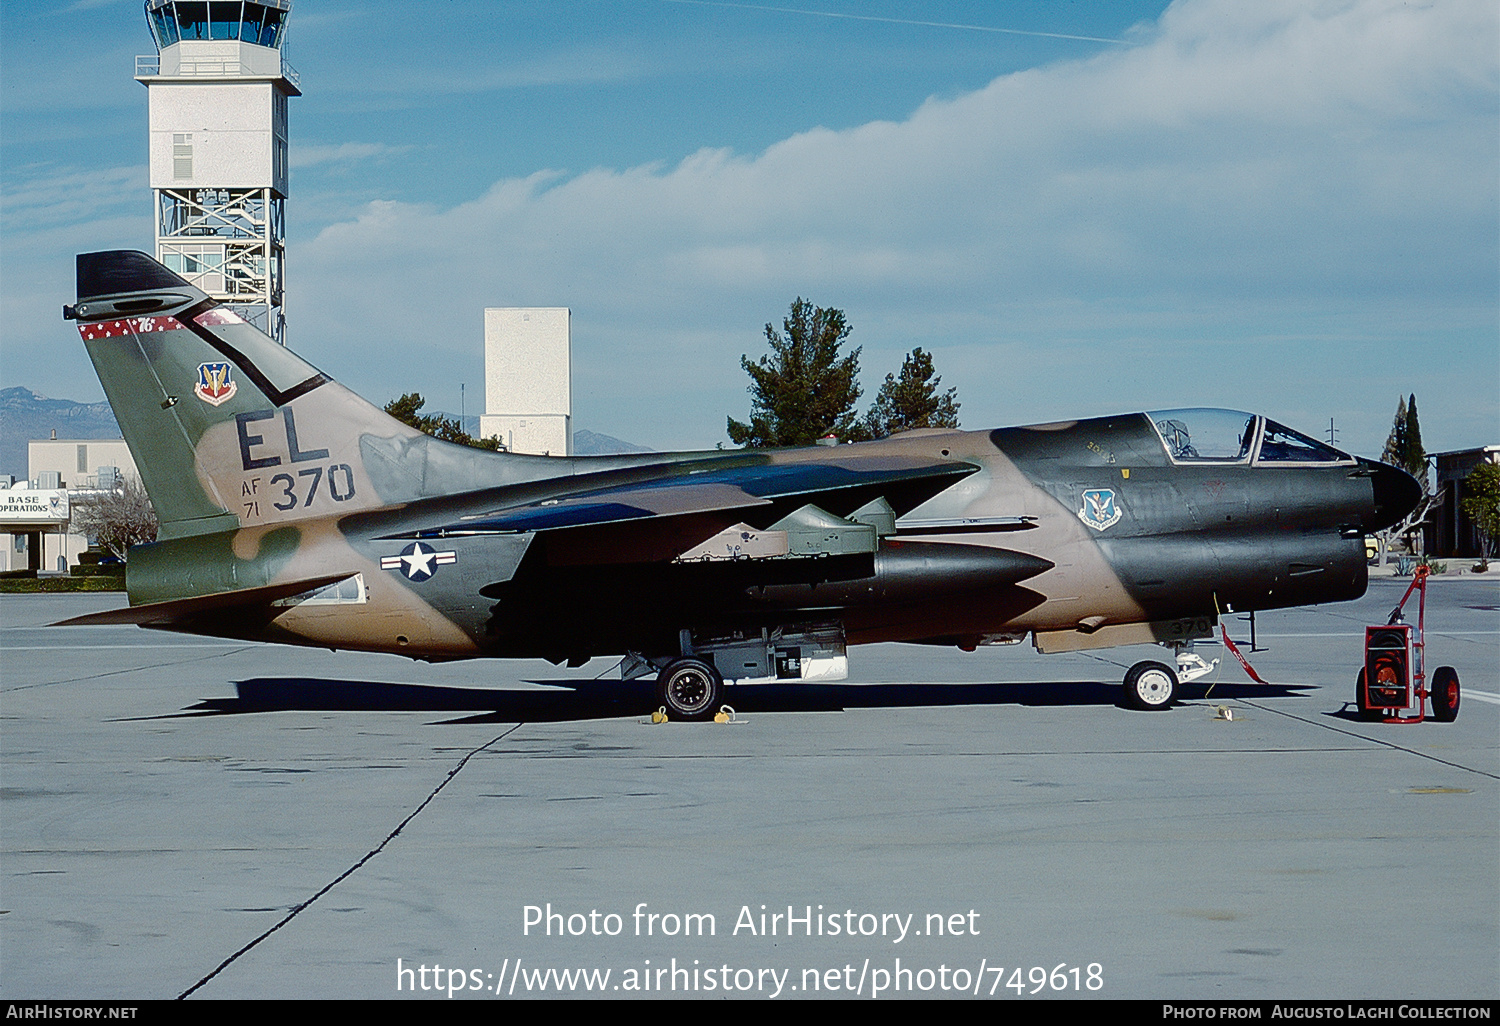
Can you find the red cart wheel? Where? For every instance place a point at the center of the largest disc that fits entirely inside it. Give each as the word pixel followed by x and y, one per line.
pixel 1362 700
pixel 1445 694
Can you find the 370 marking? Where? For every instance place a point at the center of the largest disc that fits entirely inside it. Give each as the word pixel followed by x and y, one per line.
pixel 335 491
pixel 290 492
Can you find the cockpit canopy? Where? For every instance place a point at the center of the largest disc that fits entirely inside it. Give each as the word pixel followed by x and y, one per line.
pixel 1229 436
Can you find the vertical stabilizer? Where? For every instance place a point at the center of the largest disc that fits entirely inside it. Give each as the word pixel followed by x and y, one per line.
pixel 230 429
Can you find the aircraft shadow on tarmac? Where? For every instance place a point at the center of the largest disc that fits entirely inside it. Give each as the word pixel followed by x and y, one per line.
pixel 600 699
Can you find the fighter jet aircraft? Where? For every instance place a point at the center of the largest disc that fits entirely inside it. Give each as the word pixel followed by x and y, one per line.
pixel 293 511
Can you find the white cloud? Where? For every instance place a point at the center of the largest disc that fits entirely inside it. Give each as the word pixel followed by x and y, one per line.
pixel 1249 172
pixel 92 5
pixel 41 195
pixel 578 65
pixel 1271 206
pixel 340 153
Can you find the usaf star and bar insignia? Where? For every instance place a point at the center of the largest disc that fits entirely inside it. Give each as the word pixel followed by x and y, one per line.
pixel 418 562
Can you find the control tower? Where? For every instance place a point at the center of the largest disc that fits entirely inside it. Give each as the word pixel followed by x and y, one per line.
pixel 217 92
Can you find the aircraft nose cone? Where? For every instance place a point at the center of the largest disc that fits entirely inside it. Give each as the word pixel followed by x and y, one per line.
pixel 1396 494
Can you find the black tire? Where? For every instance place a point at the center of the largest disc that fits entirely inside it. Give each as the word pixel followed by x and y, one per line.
pixel 690 689
pixel 1445 694
pixel 1362 700
pixel 1150 686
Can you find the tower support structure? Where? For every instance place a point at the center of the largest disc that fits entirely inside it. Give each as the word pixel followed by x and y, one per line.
pixel 217 91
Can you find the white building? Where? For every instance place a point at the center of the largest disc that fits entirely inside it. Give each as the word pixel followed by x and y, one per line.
pixel 528 396
pixel 35 515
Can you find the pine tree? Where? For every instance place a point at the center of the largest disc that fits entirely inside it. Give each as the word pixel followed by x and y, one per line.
pixel 804 389
pixel 1395 444
pixel 1413 456
pixel 1403 449
pixel 407 410
pixel 912 400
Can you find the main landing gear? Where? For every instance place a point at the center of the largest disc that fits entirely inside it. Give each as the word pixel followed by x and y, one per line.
pixel 690 689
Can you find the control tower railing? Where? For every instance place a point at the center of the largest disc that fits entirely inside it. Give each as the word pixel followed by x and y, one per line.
pixel 149 64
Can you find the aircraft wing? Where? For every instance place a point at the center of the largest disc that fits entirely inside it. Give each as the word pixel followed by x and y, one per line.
pixel 838 483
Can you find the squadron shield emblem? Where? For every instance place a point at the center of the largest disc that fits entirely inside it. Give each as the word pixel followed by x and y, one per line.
pixel 1099 508
pixel 215 383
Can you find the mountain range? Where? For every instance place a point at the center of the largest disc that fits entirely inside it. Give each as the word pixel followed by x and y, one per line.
pixel 25 415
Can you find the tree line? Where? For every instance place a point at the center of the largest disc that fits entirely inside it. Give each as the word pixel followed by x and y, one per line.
pixel 806 389
pixel 1479 492
pixel 408 410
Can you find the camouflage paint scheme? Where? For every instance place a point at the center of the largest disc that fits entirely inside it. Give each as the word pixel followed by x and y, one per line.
pixel 294 511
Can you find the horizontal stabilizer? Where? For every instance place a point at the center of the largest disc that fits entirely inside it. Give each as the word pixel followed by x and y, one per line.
pixel 176 611
pixel 114 272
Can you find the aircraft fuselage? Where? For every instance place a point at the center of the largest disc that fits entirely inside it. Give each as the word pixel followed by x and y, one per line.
pixel 1084 534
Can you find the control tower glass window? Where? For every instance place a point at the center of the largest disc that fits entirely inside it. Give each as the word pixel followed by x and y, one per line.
pixel 164 25
pixel 250 24
pixel 224 19
pixel 192 19
pixel 247 21
pixel 267 25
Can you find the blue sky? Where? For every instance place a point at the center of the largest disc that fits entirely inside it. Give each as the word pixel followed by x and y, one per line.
pixel 1290 206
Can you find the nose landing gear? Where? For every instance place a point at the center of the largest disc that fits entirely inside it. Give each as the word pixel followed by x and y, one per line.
pixel 1150 686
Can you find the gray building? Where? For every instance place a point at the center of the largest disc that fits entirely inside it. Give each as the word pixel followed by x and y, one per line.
pixel 1450 533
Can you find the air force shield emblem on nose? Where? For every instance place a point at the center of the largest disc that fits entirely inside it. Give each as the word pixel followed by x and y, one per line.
pixel 1099 509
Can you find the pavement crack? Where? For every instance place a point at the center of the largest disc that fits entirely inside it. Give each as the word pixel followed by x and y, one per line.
pixel 1372 740
pixel 129 669
pixel 297 909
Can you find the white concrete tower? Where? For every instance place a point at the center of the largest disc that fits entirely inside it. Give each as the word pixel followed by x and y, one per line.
pixel 217 92
pixel 528 391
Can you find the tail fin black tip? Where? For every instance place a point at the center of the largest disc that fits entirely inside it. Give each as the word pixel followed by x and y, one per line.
pixel 117 271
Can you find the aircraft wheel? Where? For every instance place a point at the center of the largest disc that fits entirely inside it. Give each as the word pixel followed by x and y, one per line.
pixel 1362 699
pixel 1150 686
pixel 691 689
pixel 1445 694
